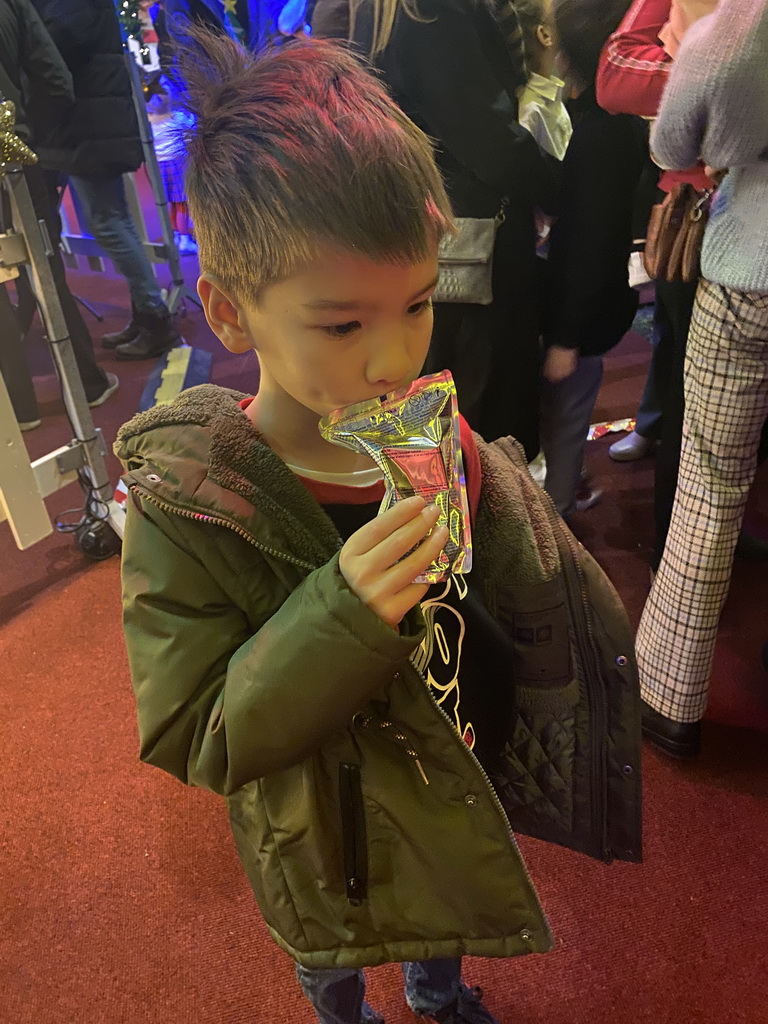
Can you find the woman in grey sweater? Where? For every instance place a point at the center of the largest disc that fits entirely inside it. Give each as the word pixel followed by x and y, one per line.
pixel 715 107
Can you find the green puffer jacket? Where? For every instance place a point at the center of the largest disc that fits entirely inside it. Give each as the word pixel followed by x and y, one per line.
pixel 367 828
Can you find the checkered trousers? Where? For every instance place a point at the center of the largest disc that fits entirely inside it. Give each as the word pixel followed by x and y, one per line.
pixel 726 404
pixel 172 172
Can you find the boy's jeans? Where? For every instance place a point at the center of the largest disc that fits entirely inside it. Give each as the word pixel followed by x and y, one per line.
pixel 106 209
pixel 337 994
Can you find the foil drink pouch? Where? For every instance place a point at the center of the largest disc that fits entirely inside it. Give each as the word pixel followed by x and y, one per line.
pixel 413 434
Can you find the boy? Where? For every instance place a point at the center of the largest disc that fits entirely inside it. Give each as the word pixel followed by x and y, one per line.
pixel 270 621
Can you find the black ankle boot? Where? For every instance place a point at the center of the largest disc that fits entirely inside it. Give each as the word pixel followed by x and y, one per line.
pixel 751 548
pixel 676 739
pixel 157 335
pixel 128 333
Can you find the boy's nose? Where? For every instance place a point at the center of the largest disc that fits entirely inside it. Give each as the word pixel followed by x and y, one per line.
pixel 389 365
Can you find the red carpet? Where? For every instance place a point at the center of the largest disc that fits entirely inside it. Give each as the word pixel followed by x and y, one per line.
pixel 122 899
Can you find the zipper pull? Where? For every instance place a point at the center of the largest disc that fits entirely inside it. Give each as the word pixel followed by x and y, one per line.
pixel 423 774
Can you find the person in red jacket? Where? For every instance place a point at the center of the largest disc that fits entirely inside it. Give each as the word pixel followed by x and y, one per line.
pixel 633 72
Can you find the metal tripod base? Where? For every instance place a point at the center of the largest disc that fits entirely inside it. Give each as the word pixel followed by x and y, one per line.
pixel 24 486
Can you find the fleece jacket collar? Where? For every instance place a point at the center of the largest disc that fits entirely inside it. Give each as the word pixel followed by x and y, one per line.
pixel 202 456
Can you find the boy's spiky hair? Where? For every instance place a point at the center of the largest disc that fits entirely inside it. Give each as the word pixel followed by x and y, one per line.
pixel 298 148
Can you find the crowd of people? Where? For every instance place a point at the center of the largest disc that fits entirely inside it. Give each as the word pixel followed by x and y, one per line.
pixel 321 178
pixel 473 90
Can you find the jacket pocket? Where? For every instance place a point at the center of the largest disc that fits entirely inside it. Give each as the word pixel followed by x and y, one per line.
pixel 355 843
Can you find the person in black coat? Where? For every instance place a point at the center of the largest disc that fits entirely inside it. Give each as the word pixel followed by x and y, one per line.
pixel 34 77
pixel 95 147
pixel 455 72
pixel 589 305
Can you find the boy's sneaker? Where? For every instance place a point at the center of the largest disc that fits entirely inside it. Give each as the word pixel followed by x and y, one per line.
pixel 467 1009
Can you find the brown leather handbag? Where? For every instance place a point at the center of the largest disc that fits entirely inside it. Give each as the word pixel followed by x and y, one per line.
pixel 675 234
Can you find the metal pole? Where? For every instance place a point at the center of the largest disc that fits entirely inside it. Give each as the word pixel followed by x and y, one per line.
pixel 179 291
pixel 38 248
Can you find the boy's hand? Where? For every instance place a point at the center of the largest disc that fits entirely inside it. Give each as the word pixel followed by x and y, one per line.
pixel 370 560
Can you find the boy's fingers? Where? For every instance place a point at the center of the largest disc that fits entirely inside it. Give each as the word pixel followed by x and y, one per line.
pixel 403 519
pixel 373 533
pixel 403 573
pixel 403 540
pixel 407 599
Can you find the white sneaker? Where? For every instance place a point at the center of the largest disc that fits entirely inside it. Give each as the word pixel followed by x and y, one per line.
pixel 187 246
pixel 632 447
pixel 112 385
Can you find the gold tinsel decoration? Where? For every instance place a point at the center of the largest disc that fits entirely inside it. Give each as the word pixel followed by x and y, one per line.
pixel 13 152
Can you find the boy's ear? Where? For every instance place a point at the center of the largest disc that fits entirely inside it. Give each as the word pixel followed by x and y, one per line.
pixel 224 318
pixel 544 36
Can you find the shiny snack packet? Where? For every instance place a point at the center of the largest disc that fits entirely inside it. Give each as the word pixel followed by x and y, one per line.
pixel 413 435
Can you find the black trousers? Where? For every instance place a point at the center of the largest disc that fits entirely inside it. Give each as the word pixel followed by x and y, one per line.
pixel 493 351
pixel 13 363
pixel 42 189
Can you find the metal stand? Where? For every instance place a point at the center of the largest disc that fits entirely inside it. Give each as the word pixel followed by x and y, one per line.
pixel 178 290
pixel 23 487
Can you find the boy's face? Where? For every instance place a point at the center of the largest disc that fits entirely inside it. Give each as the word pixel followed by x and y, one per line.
pixel 341 331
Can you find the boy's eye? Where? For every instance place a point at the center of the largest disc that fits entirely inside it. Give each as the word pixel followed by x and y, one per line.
pixel 342 330
pixel 420 307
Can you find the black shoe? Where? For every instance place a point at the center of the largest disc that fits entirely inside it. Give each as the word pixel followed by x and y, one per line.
pixel 128 333
pixel 157 335
pixel 676 739
pixel 751 548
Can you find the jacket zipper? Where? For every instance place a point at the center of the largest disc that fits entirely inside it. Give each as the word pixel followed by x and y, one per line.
pixel 355 845
pixel 220 521
pixel 483 774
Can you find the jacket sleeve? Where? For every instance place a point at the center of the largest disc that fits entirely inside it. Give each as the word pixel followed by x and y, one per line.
pixel 43 65
pixel 715 105
pixel 465 106
pixel 634 66
pixel 222 702
pixel 74 27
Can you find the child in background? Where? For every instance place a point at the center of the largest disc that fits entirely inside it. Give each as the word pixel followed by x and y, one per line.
pixel 168 124
pixel 542 111
pixel 589 303
pixel 541 107
pixel 277 642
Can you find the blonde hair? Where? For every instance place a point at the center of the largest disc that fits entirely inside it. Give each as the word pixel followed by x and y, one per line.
pixel 384 14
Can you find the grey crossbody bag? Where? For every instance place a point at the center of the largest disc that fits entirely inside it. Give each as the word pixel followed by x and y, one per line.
pixel 466 260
